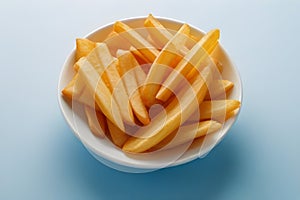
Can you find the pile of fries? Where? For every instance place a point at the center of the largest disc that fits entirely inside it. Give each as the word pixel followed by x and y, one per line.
pixel 122 79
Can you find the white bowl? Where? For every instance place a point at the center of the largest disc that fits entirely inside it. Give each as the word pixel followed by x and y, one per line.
pixel 105 151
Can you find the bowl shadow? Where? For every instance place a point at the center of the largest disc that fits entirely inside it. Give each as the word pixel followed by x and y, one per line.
pixel 207 177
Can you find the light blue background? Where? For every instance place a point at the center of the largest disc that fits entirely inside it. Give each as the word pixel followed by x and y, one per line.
pixel 41 158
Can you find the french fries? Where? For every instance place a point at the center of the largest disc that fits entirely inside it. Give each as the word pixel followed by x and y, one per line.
pixel 118 136
pixel 217 109
pixel 187 134
pixel 139 72
pixel 189 63
pixel 116 89
pixel 114 42
pixel 128 67
pixel 161 36
pixel 84 47
pixel 176 114
pixel 68 91
pixel 169 56
pixel 75 90
pixel 148 50
pixel 102 95
pixel 220 89
pixel 96 121
pixel 138 56
pixel 158 32
pixel 106 65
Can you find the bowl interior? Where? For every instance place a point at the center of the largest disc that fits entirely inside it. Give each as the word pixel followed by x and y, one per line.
pixel 106 152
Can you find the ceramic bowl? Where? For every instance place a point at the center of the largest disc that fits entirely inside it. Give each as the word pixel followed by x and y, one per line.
pixel 104 151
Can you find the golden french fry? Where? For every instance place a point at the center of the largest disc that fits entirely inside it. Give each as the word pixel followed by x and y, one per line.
pixel 192 60
pixel 151 41
pixel 191 42
pixel 217 109
pixel 231 114
pixel 118 136
pixel 111 35
pixel 194 38
pixel 139 72
pixel 157 31
pixel 199 141
pixel 106 66
pixel 83 47
pixel 77 64
pixel 188 133
pixel 161 36
pixel 114 42
pixel 164 124
pixel 138 56
pixel 209 61
pixel 136 40
pixel 170 56
pixel 75 90
pixel 220 89
pixel 102 95
pixel 128 66
pixel 68 91
pixel 96 121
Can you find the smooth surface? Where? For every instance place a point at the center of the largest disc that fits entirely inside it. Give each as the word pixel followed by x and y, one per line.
pixel 103 149
pixel 41 158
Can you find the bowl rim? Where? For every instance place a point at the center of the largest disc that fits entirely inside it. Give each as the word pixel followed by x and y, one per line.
pixel 182 159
